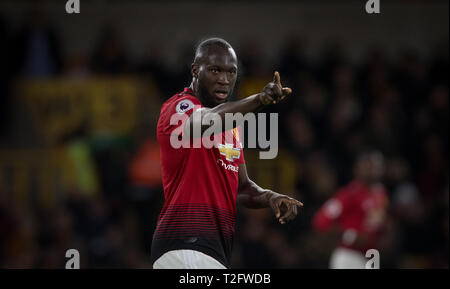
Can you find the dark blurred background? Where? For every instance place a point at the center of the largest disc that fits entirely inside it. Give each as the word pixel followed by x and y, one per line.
pixel 80 96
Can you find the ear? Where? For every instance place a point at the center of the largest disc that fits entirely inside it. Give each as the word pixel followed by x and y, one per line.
pixel 194 70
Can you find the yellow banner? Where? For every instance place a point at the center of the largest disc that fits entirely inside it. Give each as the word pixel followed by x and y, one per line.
pixel 101 106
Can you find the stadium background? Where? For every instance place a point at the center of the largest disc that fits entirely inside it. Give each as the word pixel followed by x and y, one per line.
pixel 80 95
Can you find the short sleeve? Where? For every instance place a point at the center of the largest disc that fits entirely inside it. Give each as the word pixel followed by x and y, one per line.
pixel 174 114
pixel 331 211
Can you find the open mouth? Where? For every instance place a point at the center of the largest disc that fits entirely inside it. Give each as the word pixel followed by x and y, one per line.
pixel 221 94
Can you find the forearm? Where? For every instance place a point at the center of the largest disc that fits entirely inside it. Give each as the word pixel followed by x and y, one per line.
pixel 249 104
pixel 253 196
pixel 272 93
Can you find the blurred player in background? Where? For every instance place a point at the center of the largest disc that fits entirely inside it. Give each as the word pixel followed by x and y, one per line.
pixel 356 213
pixel 201 185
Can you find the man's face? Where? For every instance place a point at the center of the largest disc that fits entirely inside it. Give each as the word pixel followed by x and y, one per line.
pixel 216 74
pixel 371 167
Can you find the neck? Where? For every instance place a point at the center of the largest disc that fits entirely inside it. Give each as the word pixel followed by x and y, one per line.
pixel 363 180
pixel 192 87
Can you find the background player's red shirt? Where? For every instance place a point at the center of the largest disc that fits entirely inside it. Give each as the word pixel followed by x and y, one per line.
pixel 200 188
pixel 355 208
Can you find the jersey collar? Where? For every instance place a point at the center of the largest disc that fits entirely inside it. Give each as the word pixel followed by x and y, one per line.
pixel 188 91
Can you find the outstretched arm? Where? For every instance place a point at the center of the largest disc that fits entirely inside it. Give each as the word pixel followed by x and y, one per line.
pixel 272 93
pixel 253 196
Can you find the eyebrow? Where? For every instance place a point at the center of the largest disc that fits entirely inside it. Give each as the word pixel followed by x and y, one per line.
pixel 233 67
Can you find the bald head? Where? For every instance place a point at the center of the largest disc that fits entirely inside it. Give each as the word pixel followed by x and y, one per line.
pixel 210 45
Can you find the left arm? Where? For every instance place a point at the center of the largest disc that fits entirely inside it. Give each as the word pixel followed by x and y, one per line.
pixel 253 196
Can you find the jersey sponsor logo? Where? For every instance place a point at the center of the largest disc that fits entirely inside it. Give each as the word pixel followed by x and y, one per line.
pixel 229 151
pixel 184 105
pixel 228 167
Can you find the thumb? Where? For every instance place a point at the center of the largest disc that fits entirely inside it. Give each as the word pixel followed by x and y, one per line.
pixel 286 90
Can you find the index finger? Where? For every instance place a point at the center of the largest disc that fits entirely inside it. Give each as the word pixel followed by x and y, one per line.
pixel 276 78
pixel 298 203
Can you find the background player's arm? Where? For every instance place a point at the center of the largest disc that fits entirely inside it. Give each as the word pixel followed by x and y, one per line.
pixel 253 196
pixel 326 221
pixel 272 93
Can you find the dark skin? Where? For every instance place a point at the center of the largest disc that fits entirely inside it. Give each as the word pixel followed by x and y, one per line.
pixel 214 74
pixel 250 195
pixel 216 70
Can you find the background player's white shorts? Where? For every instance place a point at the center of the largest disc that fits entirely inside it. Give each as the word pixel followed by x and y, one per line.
pixel 343 258
pixel 186 259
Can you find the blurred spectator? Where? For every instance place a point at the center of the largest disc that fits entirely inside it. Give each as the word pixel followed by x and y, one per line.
pixel 292 60
pixel 434 171
pixel 333 56
pixel 301 134
pixel 76 66
pixel 5 78
pixel 153 67
pixel 251 59
pixel 109 56
pixel 79 154
pixel 37 49
pixel 144 173
pixel 181 73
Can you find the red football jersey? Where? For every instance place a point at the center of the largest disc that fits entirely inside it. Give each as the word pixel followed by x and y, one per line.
pixel 355 208
pixel 200 187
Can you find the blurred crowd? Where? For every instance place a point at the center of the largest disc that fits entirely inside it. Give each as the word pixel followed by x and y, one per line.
pixel 395 104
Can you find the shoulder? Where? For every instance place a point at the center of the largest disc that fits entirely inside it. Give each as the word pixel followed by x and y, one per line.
pixel 355 188
pixel 349 190
pixel 355 185
pixel 177 108
pixel 180 103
